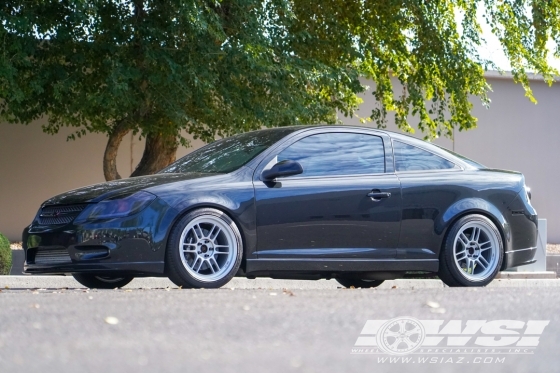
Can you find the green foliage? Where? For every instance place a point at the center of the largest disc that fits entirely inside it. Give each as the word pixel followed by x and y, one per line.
pixel 221 67
pixel 5 255
pixel 212 68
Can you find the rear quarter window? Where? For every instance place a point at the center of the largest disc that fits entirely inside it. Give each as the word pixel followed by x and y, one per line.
pixel 411 158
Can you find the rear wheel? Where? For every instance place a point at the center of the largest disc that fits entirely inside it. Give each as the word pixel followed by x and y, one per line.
pixel 364 284
pixel 472 254
pixel 204 250
pixel 102 282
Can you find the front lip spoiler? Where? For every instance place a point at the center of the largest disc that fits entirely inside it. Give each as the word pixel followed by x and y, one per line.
pixel 134 268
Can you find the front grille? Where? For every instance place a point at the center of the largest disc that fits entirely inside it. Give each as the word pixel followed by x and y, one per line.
pixel 52 256
pixel 60 214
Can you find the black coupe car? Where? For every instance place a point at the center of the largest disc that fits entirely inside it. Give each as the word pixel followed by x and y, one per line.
pixel 355 204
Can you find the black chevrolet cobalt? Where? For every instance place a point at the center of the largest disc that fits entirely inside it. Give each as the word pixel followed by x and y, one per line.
pixel 354 204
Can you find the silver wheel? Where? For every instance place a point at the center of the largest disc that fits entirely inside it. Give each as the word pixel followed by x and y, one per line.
pixel 208 248
pixel 476 251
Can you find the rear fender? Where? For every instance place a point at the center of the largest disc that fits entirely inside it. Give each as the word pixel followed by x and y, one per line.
pixel 475 206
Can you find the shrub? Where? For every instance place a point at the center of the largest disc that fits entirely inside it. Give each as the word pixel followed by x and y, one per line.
pixel 5 256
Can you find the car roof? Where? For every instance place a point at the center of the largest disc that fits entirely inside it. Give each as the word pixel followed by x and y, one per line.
pixel 436 149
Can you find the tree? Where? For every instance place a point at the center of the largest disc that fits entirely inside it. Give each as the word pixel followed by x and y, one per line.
pixel 214 68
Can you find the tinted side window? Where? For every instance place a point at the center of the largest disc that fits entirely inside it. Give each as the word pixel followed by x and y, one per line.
pixel 329 154
pixel 411 158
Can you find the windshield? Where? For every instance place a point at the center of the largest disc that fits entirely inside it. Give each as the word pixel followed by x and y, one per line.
pixel 229 154
pixel 463 158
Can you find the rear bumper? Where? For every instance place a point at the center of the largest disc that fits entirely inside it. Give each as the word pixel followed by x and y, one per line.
pixel 516 258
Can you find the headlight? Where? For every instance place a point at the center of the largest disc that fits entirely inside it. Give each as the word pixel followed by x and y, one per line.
pixel 117 207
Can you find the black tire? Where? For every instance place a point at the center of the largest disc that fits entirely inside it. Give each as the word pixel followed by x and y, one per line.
pixel 177 262
pixel 364 284
pixel 449 271
pixel 102 282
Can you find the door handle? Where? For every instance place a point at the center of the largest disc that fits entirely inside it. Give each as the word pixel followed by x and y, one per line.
pixel 377 196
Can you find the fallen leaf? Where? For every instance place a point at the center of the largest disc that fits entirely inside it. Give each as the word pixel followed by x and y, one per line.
pixel 111 320
pixel 394 287
pixel 272 293
pixel 432 304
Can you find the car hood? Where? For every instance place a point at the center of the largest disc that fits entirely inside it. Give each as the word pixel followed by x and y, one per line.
pixel 98 192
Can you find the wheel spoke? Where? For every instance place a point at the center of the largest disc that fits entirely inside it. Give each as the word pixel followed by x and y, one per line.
pixel 472 265
pixel 200 261
pixel 214 232
pixel 191 250
pixel 463 239
pixel 475 234
pixel 485 264
pixel 479 261
pixel 210 265
pixel 390 333
pixel 198 233
pixel 462 253
pixel 213 262
pixel 395 344
pixel 408 342
pixel 468 266
pixel 489 243
pixel 402 326
pixel 416 330
pixel 218 251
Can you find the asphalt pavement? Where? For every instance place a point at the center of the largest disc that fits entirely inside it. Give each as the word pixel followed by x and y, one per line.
pixel 261 326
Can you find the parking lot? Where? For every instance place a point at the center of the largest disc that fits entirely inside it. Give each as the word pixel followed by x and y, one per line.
pixel 255 326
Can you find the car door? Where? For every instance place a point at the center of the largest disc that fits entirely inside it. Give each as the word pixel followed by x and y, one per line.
pixel 345 204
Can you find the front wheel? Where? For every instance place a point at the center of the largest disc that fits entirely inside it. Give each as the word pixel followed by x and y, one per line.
pixel 472 254
pixel 204 250
pixel 102 282
pixel 364 284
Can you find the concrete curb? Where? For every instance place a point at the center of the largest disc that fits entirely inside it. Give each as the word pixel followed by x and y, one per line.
pixel 56 282
pixel 527 275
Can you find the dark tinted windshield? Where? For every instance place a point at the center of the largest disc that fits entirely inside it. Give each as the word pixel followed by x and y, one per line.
pixel 229 154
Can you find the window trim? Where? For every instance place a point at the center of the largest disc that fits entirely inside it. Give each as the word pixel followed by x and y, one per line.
pixel 454 169
pixel 385 139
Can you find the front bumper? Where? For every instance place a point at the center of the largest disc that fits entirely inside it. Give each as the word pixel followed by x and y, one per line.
pixel 133 245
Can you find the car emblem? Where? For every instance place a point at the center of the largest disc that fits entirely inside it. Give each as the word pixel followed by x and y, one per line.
pixel 53 214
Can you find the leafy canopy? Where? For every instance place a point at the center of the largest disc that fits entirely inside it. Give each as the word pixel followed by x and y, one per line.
pixel 220 67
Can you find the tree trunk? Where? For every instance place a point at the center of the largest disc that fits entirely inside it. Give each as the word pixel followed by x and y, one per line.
pixel 159 152
pixel 110 157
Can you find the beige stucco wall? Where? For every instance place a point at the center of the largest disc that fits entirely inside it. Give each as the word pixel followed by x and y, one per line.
pixel 35 166
pixel 513 134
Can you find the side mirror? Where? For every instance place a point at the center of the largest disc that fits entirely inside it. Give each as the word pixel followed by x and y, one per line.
pixel 283 168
